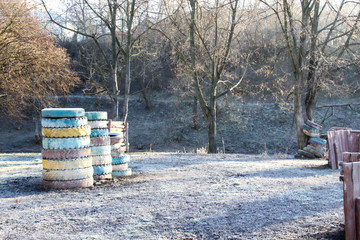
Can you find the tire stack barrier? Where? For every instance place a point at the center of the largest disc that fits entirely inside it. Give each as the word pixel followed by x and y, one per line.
pixel 67 162
pixel 120 160
pixel 100 145
pixel 316 146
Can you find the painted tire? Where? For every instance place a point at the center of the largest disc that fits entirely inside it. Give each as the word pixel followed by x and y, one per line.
pixel 317 152
pixel 64 175
pixel 96 115
pixel 318 146
pixel 100 150
pixel 116 134
pixel 120 167
pixel 318 141
pixel 103 177
pixel 64 122
pixel 100 141
pixel 306 154
pixel 121 160
pixel 66 143
pixel 310 131
pixel 311 134
pixel 98 124
pixel 88 182
pixel 67 164
pixel 66 132
pixel 118 152
pixel 125 173
pixel 115 140
pixel 102 170
pixel 117 146
pixel 62 112
pixel 99 132
pixel 66 153
pixel 101 160
pixel 313 124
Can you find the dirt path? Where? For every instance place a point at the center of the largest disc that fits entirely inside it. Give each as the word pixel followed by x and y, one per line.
pixel 177 196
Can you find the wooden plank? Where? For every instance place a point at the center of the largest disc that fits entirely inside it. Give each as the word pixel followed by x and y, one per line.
pixel 356 188
pixel 354 141
pixel 357 215
pixel 109 125
pixel 349 212
pixel 332 156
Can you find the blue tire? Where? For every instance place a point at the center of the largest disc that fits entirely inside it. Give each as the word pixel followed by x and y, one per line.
pixel 62 112
pixel 102 170
pixel 121 160
pixel 99 132
pixel 64 122
pixel 66 143
pixel 96 115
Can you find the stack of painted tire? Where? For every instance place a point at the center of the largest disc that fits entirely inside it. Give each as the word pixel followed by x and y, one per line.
pixel 120 160
pixel 316 146
pixel 100 145
pixel 66 150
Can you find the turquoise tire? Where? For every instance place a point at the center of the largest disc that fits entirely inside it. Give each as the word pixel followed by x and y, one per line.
pixel 318 141
pixel 121 160
pixel 306 154
pixel 62 112
pixel 317 152
pixel 100 150
pixel 99 132
pixel 125 173
pixel 66 143
pixel 64 122
pixel 102 170
pixel 96 115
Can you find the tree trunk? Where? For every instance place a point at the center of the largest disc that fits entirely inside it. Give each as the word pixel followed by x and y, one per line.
pixel 195 113
pixel 115 100
pixel 37 132
pixel 300 114
pixel 212 127
pixel 115 107
pixel 127 89
pixel 143 89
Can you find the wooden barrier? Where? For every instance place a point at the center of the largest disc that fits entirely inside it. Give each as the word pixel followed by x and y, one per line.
pixel 120 127
pixel 340 140
pixel 351 189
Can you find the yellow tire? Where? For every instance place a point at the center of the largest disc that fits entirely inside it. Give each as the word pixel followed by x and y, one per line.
pixel 71 174
pixel 67 164
pixel 66 132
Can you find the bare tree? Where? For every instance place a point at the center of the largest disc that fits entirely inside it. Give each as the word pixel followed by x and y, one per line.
pixel 209 36
pixel 321 38
pixel 118 22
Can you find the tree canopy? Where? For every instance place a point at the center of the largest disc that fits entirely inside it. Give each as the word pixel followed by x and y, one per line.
pixel 32 67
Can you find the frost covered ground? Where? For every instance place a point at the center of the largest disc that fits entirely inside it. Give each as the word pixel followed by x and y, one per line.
pixel 177 196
